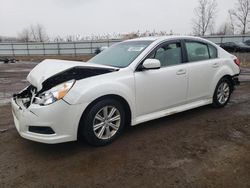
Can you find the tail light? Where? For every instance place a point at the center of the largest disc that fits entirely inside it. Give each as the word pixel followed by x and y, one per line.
pixel 237 61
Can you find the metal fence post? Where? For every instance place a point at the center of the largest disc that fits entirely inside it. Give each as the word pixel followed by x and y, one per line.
pixel 58 49
pixel 75 48
pixel 43 49
pixel 12 47
pixel 27 46
pixel 91 47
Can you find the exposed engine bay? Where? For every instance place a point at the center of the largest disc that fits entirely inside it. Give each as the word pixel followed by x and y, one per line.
pixel 26 96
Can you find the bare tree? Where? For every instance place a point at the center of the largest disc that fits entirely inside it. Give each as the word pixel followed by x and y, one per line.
pixel 205 14
pixel 241 14
pixel 35 33
pixel 41 34
pixel 38 33
pixel 231 19
pixel 69 38
pixel 222 29
pixel 225 29
pixel 58 39
pixel 24 36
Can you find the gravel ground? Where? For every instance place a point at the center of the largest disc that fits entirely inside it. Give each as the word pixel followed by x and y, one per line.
pixel 204 147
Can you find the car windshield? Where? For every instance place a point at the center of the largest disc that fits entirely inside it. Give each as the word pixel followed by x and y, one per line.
pixel 121 54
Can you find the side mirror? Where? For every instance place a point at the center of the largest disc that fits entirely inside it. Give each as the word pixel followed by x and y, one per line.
pixel 151 64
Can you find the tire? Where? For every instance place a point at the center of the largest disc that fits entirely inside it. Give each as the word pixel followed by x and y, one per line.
pixel 99 129
pixel 222 93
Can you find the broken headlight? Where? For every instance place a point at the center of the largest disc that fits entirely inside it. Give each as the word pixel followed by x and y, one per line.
pixel 54 94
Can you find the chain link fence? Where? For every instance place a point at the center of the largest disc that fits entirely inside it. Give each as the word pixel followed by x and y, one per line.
pixel 82 48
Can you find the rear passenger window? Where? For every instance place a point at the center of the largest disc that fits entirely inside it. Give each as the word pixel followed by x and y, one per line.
pixel 212 51
pixel 197 51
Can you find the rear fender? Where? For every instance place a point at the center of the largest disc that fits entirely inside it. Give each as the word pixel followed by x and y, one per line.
pixel 223 71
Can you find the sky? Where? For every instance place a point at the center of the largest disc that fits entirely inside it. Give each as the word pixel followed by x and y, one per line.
pixel 94 17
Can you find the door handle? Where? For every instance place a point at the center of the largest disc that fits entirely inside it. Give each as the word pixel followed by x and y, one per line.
pixel 181 71
pixel 215 65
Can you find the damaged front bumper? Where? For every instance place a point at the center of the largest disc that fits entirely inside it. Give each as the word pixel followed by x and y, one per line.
pixel 49 124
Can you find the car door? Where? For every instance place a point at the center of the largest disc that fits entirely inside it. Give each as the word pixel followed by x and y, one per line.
pixel 165 87
pixel 202 66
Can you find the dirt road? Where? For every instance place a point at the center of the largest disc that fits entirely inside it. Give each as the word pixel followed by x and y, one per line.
pixel 204 147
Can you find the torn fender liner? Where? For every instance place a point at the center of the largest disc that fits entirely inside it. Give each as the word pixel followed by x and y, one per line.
pixel 76 73
pixel 53 68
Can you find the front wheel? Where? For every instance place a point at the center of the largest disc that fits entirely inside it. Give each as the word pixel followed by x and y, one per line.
pixel 222 93
pixel 103 122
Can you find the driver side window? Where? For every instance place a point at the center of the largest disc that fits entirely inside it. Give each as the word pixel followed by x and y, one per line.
pixel 169 54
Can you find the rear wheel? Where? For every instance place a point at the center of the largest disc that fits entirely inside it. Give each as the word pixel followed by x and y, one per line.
pixel 103 122
pixel 222 93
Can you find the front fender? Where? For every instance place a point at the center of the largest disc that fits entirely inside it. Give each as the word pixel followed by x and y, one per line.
pixel 85 91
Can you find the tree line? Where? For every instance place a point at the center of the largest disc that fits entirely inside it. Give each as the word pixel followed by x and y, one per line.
pixel 206 13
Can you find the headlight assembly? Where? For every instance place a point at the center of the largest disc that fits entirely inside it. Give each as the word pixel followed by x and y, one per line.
pixel 54 94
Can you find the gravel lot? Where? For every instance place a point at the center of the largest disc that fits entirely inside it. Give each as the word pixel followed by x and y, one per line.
pixel 204 147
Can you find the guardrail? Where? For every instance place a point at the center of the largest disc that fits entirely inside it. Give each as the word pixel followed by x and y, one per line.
pixel 84 47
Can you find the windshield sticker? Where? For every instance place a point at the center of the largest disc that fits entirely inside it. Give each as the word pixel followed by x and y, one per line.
pixel 135 49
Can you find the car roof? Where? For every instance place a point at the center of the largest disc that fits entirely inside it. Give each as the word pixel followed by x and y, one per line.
pixel 170 37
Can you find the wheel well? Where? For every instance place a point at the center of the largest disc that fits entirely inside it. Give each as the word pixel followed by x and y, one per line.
pixel 230 79
pixel 115 97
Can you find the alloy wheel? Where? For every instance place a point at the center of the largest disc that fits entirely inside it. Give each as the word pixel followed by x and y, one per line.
pixel 106 122
pixel 223 93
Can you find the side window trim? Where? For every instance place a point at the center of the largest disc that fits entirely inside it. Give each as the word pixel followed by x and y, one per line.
pixel 184 51
pixel 158 46
pixel 210 52
pixel 168 43
pixel 153 51
pixel 196 41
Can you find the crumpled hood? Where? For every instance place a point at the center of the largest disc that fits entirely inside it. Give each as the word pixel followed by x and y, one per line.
pixel 50 68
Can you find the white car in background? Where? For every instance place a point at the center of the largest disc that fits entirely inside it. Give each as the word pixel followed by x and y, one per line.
pixel 129 83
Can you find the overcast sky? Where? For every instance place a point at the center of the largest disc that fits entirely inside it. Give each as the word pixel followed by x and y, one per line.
pixel 87 17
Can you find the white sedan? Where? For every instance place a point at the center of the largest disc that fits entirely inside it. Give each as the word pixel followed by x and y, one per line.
pixel 129 83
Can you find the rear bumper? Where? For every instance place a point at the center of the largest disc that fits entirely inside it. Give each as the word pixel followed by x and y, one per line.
pixel 61 117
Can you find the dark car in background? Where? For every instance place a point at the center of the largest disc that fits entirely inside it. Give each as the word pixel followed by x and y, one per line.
pixel 247 42
pixel 7 60
pixel 4 59
pixel 235 47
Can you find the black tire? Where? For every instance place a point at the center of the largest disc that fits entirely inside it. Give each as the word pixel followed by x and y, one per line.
pixel 217 103
pixel 86 129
